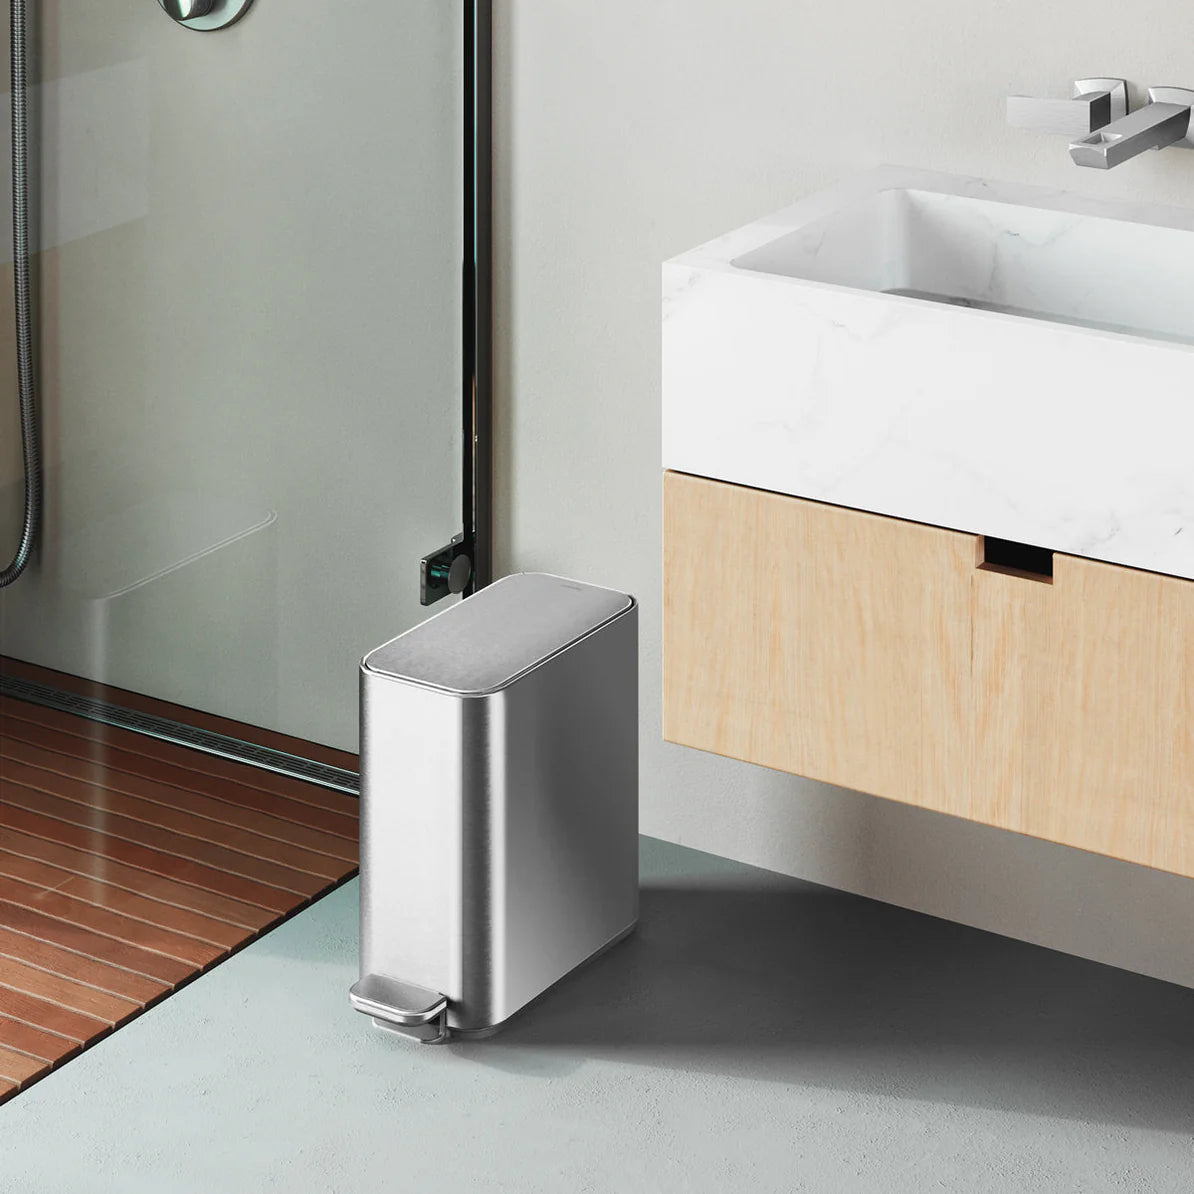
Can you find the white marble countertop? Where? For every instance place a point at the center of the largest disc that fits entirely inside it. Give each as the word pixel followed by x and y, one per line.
pixel 757 1033
pixel 817 352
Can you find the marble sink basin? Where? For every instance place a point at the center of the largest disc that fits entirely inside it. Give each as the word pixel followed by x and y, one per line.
pixel 995 358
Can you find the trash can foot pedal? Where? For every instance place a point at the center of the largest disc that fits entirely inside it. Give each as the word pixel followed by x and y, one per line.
pixel 403 1008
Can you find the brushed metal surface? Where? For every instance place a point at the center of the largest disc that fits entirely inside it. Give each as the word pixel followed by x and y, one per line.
pixel 186 10
pixel 481 644
pixel 551 858
pixel 1154 126
pixel 434 1032
pixel 499 832
pixel 412 770
pixel 396 1002
pixel 403 1008
pixel 1117 90
pixel 1095 103
pixel 1183 97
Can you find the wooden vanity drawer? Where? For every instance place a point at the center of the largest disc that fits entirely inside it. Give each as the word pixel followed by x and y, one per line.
pixel 1083 697
pixel 884 656
pixel 817 640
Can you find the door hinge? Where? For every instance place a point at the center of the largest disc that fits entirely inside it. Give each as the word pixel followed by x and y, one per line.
pixel 449 570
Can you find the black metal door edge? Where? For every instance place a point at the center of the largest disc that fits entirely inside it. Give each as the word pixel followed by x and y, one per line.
pixel 466 564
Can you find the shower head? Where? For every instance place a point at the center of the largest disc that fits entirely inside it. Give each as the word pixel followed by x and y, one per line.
pixel 188 10
pixel 205 15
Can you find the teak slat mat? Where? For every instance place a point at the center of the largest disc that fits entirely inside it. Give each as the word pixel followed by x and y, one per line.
pixel 129 866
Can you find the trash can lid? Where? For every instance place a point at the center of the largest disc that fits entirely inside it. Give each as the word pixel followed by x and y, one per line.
pixel 488 640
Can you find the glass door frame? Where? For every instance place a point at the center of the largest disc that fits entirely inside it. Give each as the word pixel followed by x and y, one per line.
pixel 282 753
pixel 477 466
pixel 466 563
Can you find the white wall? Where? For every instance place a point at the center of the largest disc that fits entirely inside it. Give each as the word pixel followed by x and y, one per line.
pixel 629 131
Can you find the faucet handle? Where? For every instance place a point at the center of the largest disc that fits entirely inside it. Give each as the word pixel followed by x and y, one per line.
pixel 1095 103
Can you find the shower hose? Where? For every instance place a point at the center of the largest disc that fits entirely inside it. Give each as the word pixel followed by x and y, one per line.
pixel 26 390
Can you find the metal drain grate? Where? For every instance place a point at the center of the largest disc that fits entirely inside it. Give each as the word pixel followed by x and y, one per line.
pixel 181 734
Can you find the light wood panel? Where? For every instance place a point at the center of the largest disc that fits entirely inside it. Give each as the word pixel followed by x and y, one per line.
pixel 878 655
pixel 816 639
pixel 129 866
pixel 1083 693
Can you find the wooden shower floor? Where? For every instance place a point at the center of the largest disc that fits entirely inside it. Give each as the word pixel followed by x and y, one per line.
pixel 129 866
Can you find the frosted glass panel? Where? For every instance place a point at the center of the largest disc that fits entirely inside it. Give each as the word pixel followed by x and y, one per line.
pixel 249 349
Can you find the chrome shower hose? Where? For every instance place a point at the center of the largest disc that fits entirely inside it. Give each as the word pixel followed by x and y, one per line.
pixel 26 389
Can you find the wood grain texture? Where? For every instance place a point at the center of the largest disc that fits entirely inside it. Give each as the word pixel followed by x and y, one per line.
pixel 128 866
pixel 104 748
pixel 35 1042
pixel 17 1067
pixel 172 829
pixel 1084 692
pixel 157 912
pixel 187 716
pixel 111 924
pixel 194 761
pixel 75 939
pixel 76 1027
pixel 816 640
pixel 26 870
pixel 106 837
pixel 39 846
pixel 66 756
pixel 79 997
pixel 876 654
pixel 56 959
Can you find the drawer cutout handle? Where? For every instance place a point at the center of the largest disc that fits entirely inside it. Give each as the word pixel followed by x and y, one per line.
pixel 1015 559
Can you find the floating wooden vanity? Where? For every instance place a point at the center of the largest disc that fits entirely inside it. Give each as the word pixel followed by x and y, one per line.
pixel 925 665
pixel 929 505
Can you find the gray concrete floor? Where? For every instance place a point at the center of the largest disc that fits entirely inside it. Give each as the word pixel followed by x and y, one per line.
pixel 756 1034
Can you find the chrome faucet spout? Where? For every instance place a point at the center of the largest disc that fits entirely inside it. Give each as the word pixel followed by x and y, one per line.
pixel 1164 121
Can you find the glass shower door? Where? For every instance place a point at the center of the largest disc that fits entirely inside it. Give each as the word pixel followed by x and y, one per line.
pixel 250 350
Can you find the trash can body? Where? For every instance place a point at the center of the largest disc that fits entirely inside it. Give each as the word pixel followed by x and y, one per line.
pixel 499 803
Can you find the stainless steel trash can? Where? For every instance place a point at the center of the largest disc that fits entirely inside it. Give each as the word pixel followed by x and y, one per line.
pixel 499 803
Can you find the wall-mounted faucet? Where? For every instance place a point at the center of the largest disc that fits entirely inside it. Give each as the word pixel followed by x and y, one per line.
pixel 1095 103
pixel 1164 120
pixel 1103 132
